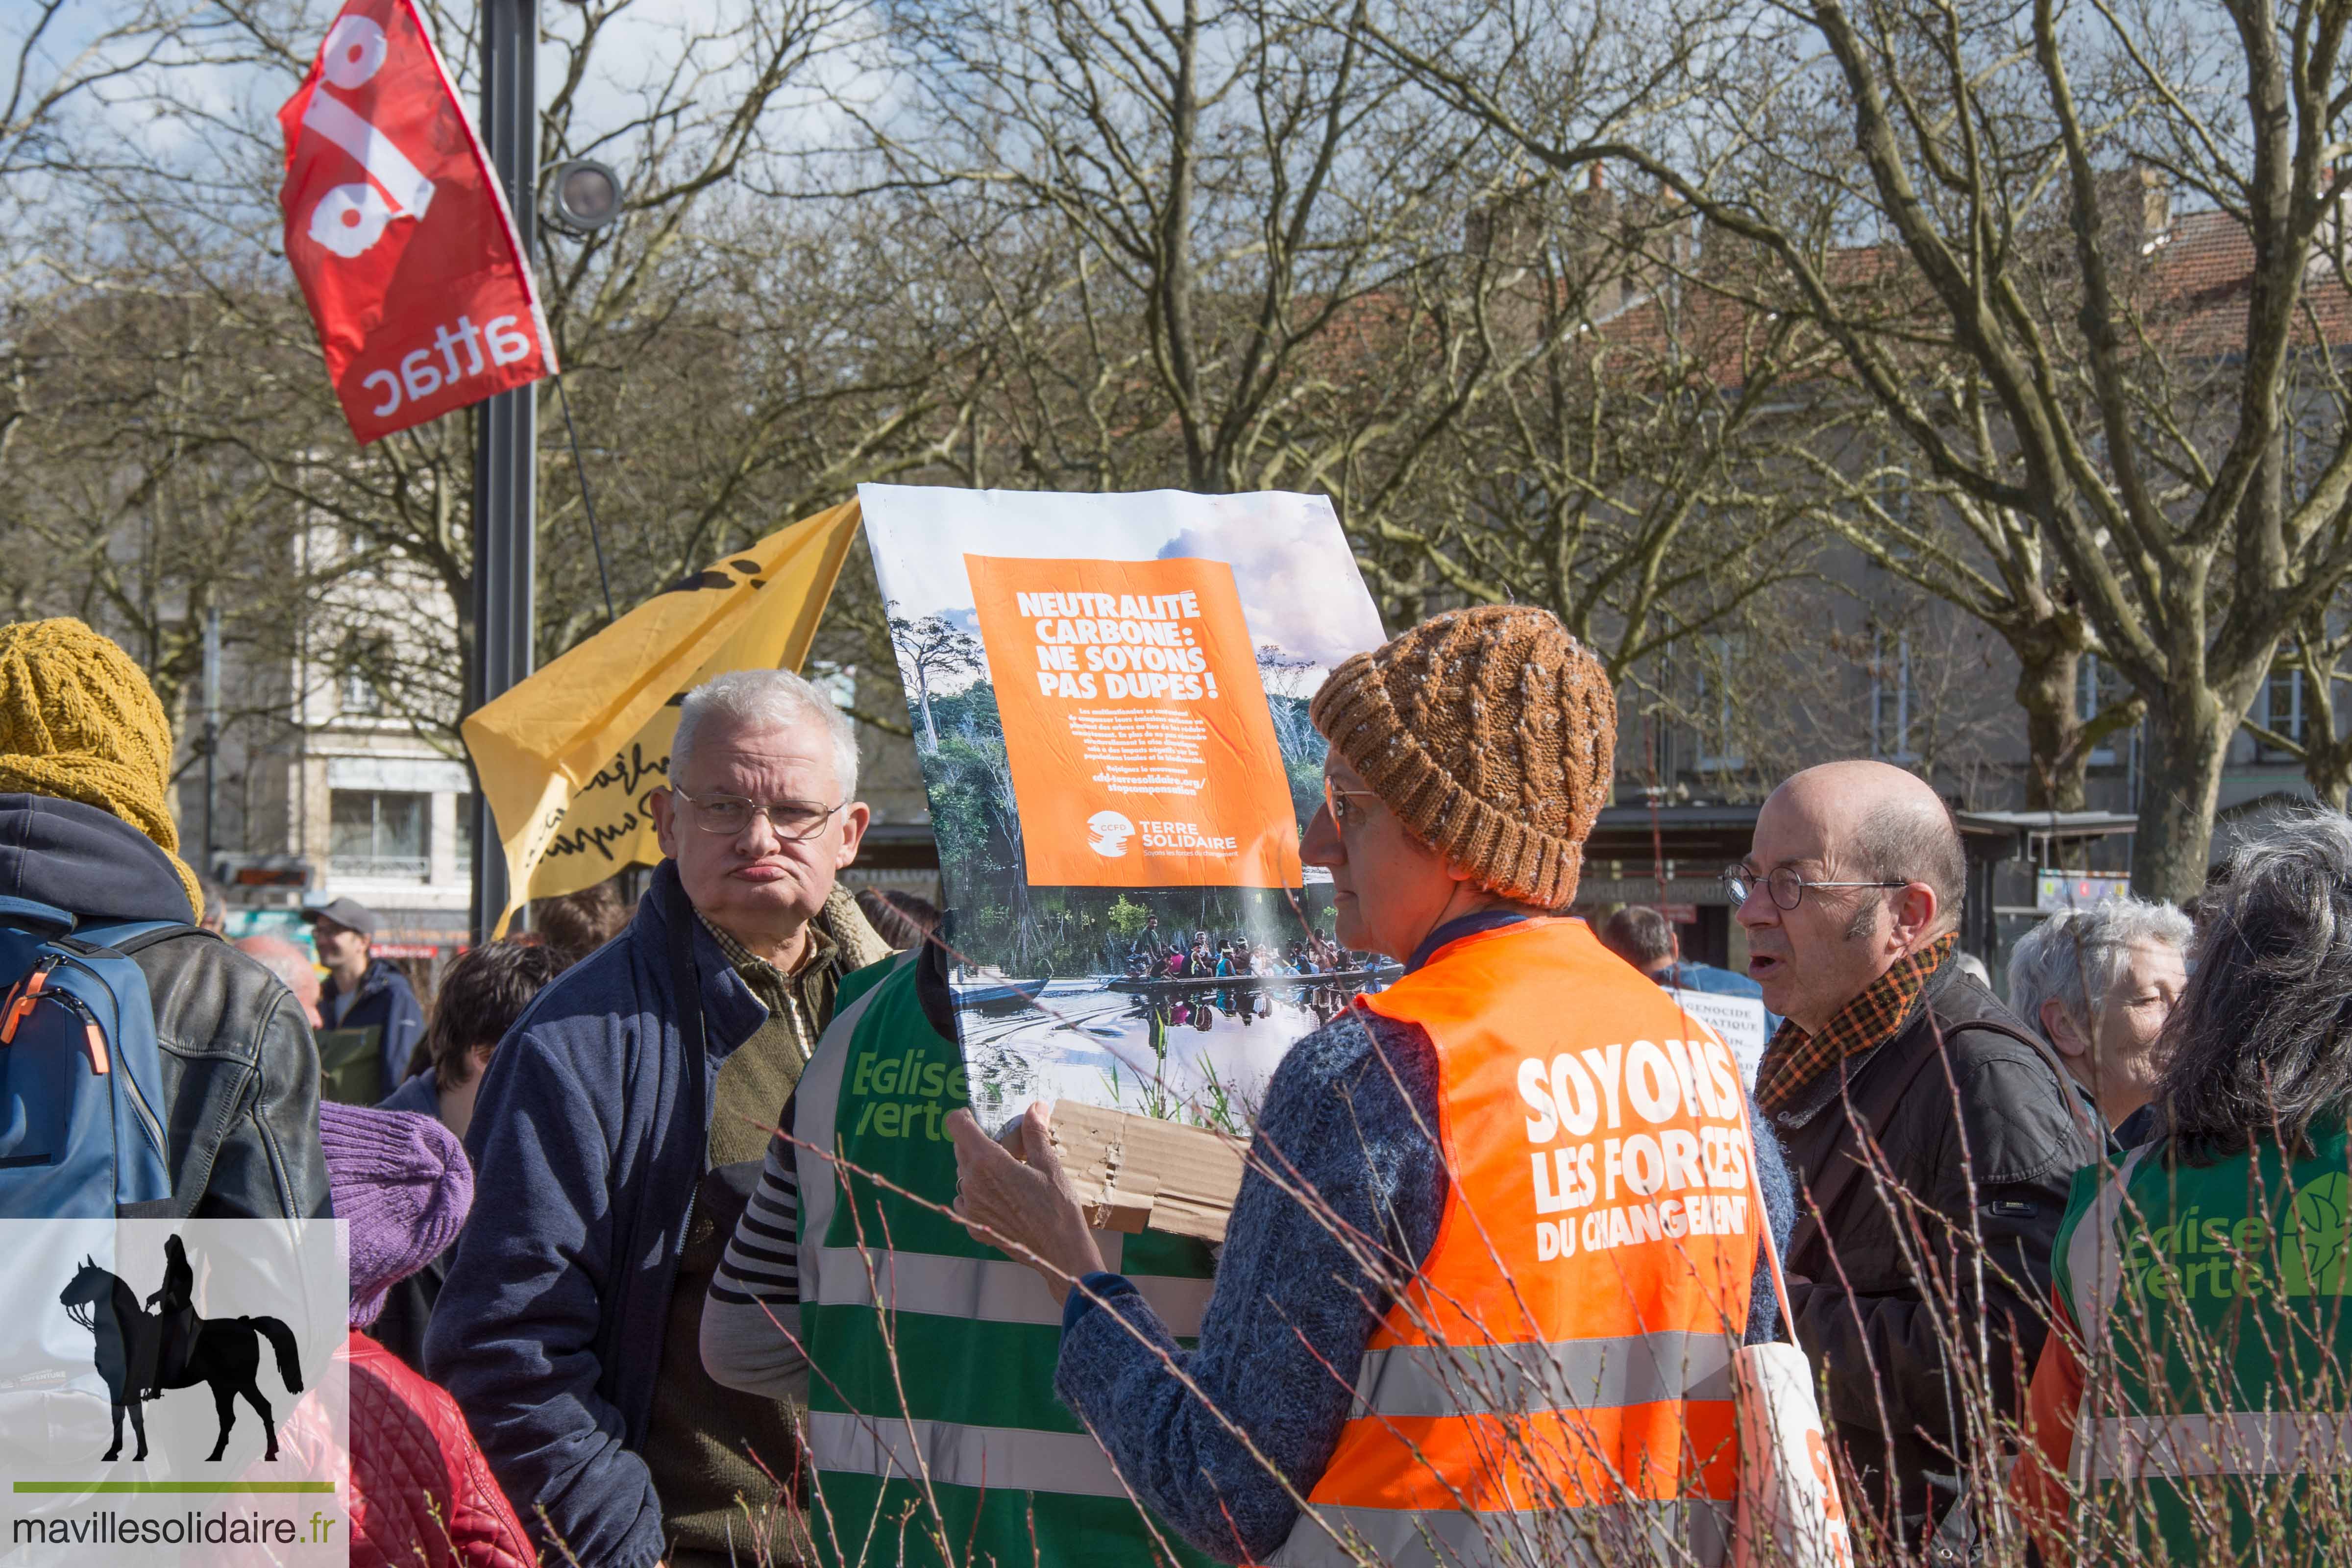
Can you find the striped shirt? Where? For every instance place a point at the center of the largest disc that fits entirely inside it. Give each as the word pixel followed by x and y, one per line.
pixel 761 1266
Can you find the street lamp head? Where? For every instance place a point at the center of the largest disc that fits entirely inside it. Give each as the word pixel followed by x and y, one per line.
pixel 584 195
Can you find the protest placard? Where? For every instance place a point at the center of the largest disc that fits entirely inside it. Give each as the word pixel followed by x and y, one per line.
pixel 1109 695
pixel 1737 1021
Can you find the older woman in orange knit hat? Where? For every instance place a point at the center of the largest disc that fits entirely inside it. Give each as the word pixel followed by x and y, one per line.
pixel 85 826
pixel 1499 1238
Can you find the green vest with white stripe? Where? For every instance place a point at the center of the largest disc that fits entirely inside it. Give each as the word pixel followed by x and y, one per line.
pixel 932 1408
pixel 2216 1307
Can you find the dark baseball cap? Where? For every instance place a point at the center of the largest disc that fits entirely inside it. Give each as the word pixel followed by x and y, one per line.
pixel 345 912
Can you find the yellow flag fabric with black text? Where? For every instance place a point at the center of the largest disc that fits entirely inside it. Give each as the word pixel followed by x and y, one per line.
pixel 567 756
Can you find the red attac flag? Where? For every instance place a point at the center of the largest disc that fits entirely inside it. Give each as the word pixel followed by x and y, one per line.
pixel 399 233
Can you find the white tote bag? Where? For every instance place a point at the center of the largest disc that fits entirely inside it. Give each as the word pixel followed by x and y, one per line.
pixel 1789 1512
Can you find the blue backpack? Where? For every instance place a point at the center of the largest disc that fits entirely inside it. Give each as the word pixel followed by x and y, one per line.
pixel 81 1113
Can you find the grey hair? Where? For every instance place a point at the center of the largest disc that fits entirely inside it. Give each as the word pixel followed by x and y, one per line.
pixel 2259 1045
pixel 765 699
pixel 1900 842
pixel 2073 957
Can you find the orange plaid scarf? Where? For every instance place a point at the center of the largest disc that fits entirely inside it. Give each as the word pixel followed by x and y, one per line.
pixel 1795 1058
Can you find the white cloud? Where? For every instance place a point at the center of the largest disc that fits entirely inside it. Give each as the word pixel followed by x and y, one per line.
pixel 1298 580
pixel 1299 586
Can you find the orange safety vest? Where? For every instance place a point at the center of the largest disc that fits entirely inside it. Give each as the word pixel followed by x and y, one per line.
pixel 1555 1385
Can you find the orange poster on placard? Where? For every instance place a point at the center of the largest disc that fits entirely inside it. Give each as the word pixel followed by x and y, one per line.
pixel 1134 723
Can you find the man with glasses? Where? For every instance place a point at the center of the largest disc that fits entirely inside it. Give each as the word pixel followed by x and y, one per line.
pixel 635 1095
pixel 1851 899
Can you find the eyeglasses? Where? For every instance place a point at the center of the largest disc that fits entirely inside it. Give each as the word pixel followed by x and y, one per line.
pixel 794 821
pixel 1787 888
pixel 1335 800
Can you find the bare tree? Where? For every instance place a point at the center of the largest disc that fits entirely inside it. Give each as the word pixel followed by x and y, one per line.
pixel 1624 468
pixel 123 505
pixel 730 368
pixel 2022 320
pixel 1993 563
pixel 933 647
pixel 1187 217
pixel 56 64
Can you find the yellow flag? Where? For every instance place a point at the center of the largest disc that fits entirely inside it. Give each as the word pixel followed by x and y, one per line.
pixel 568 757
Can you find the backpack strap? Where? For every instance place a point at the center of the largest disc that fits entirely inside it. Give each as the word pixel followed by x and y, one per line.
pixel 30 914
pixel 1882 1108
pixel 2094 1135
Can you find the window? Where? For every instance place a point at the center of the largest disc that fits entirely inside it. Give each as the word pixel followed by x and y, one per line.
pixel 1893 707
pixel 465 835
pixel 380 833
pixel 356 694
pixel 2280 710
pixel 355 691
pixel 837 681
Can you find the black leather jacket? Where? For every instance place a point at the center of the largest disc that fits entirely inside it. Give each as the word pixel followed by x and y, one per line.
pixel 1862 1304
pixel 240 1070
pixel 241 1075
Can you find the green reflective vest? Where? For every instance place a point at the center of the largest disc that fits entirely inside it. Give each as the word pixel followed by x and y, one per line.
pixel 931 1414
pixel 2216 1309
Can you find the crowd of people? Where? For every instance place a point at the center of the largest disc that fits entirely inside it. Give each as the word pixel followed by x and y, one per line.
pixel 757 1286
pixel 1230 954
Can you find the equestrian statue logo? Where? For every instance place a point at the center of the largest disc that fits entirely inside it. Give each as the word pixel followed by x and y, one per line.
pixel 140 1354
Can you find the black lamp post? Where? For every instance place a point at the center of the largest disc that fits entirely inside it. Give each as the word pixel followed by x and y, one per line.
pixel 506 427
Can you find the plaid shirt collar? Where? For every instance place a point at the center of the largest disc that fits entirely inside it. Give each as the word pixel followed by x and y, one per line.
pixel 1795 1058
pixel 796 996
pixel 820 949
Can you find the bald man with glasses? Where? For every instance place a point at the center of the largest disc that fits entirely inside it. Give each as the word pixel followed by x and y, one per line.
pixel 1851 899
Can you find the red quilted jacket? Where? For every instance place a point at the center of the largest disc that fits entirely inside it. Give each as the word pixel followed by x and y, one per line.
pixel 412 1455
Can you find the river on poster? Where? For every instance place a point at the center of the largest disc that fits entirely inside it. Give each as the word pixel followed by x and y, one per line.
pixel 1109 695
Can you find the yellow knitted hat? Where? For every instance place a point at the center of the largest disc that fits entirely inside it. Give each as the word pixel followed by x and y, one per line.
pixel 1489 731
pixel 79 721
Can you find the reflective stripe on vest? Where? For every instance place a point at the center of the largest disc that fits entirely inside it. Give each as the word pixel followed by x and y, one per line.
pixel 997 1291
pixel 1554 1385
pixel 2094 1268
pixel 815 1101
pixel 1576 1375
pixel 983 1290
pixel 1001 1458
pixel 1602 1536
pixel 2233 1443
pixel 2094 1261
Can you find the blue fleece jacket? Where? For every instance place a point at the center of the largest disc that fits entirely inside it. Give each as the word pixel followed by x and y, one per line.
pixel 1346 1114
pixel 591 1131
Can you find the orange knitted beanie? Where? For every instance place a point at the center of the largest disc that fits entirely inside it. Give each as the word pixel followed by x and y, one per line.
pixel 1490 732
